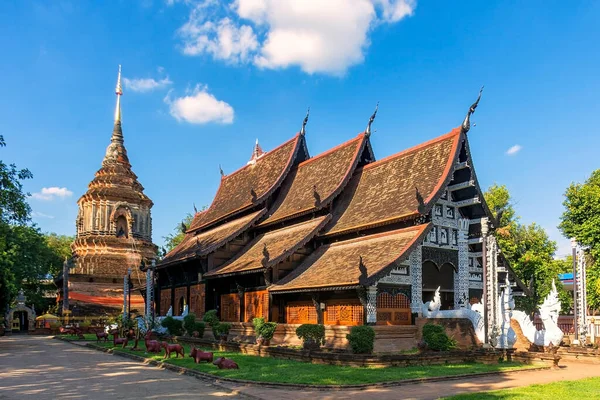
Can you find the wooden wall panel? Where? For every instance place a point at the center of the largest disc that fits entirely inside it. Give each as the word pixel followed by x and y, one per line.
pixel 300 312
pixel 256 305
pixel 393 309
pixel 198 300
pixel 343 312
pixel 180 293
pixel 230 307
pixel 165 301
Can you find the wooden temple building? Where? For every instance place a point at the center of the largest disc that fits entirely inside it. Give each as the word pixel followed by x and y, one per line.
pixel 340 238
pixel 114 234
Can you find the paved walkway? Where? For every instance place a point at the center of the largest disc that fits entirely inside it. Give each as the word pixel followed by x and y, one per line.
pixel 41 368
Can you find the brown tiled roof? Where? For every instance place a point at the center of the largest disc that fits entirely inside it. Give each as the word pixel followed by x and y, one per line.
pixel 386 190
pixel 249 185
pixel 279 244
pixel 339 264
pixel 326 174
pixel 208 241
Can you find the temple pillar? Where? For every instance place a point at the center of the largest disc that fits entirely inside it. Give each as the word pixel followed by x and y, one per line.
pixel 371 306
pixel 461 291
pixel 317 304
pixel 416 273
pixel 149 290
pixel 490 260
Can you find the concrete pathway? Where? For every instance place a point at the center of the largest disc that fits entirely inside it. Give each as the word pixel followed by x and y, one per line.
pixel 41 368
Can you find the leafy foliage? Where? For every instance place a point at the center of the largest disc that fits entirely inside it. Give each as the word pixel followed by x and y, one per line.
pixel 581 220
pixel 311 332
pixel 210 317
pixel 222 328
pixel 362 339
pixel 191 325
pixel 174 326
pixel 436 338
pixel 528 249
pixel 263 329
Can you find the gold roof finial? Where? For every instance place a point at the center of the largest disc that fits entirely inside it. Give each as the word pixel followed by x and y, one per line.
pixel 119 93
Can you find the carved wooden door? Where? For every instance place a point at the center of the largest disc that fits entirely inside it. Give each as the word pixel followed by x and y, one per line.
pixel 230 307
pixel 165 301
pixel 393 309
pixel 197 300
pixel 300 312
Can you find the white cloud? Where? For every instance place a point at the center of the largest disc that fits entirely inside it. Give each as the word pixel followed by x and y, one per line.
pixel 146 85
pixel 51 193
pixel 514 150
pixel 318 36
pixel 37 214
pixel 200 107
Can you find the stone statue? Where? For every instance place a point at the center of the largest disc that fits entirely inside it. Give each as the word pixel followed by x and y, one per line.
pixel 152 346
pixel 224 363
pixel 172 348
pixel 507 337
pixel 433 305
pixel 549 311
pixel 170 312
pixel 186 310
pixel 199 355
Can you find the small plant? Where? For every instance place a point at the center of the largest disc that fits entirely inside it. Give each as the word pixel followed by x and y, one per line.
pixel 267 330
pixel 221 330
pixel 436 339
pixel 312 335
pixel 190 325
pixel 362 339
pixel 258 323
pixel 210 317
pixel 174 326
pixel 85 324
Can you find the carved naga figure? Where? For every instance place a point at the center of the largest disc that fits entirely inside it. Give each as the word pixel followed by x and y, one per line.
pixel 507 337
pixel 549 309
pixel 172 348
pixel 224 363
pixel 199 355
pixel 433 305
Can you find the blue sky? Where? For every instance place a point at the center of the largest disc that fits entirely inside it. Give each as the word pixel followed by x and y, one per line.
pixel 207 78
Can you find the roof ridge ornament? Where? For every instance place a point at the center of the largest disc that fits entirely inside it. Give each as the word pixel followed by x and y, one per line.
pixel 303 130
pixel 368 130
pixel 221 171
pixel 466 125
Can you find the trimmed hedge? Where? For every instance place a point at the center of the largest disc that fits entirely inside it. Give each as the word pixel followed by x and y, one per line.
pixel 362 339
pixel 311 332
pixel 190 325
pixel 174 326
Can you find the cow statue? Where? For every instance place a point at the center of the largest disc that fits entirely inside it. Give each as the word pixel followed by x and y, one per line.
pixel 172 348
pixel 152 346
pixel 199 355
pixel 224 363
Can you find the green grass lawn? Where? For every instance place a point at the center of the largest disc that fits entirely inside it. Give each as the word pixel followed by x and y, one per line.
pixel 87 337
pixel 581 389
pixel 267 369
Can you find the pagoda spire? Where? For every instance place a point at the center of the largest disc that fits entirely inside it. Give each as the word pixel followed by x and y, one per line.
pixel 116 149
pixel 119 93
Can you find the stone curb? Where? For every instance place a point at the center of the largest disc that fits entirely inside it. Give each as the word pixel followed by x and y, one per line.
pixel 215 379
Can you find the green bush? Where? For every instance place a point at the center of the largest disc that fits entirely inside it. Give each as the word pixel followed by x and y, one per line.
pixel 210 317
pixel 362 339
pixel 311 333
pixel 174 326
pixel 268 330
pixel 436 339
pixel 190 325
pixel 224 328
pixel 258 323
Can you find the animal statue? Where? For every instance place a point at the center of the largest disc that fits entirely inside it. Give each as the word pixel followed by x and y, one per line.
pixel 172 348
pixel 433 305
pixel 117 340
pixel 152 346
pixel 199 355
pixel 224 363
pixel 507 337
pixel 101 335
pixel 549 310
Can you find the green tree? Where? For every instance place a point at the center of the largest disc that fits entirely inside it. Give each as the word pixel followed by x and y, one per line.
pixel 173 239
pixel 528 249
pixel 581 220
pixel 59 247
pixel 14 211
